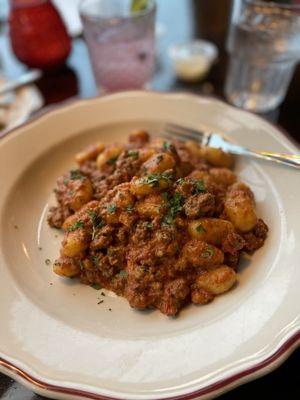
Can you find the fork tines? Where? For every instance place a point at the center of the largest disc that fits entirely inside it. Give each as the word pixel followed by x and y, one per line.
pixel 183 133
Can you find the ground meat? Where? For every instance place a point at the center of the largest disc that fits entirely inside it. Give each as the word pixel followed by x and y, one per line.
pixel 116 256
pixel 255 239
pixel 140 254
pixel 127 213
pixel 201 296
pixel 174 295
pixel 122 171
pixel 232 260
pixel 185 186
pixel 57 216
pixel 103 238
pixel 199 205
pixel 252 242
pixel 98 178
pixel 122 235
pixel 137 295
pixel 185 155
pixel 232 243
pixel 139 138
pixel 261 229
pixel 126 168
pixel 73 191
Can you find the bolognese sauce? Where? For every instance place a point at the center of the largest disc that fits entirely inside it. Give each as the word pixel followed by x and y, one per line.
pixel 161 222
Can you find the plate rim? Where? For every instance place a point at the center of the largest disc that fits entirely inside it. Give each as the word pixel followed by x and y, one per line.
pixel 223 385
pixel 73 101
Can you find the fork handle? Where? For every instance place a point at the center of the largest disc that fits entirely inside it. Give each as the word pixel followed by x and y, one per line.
pixel 292 160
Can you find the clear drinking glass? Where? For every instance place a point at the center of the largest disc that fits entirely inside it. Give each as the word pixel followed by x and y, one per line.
pixel 264 48
pixel 120 42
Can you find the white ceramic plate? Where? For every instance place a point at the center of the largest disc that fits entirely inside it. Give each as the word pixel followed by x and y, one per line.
pixel 59 342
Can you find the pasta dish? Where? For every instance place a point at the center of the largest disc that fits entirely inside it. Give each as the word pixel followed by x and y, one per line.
pixel 160 222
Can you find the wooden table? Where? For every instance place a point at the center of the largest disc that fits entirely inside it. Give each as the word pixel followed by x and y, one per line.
pixel 186 19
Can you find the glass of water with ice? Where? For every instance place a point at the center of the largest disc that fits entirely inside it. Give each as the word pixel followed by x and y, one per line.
pixel 120 41
pixel 264 48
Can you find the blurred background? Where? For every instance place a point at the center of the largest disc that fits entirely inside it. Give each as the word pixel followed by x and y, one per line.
pixel 177 22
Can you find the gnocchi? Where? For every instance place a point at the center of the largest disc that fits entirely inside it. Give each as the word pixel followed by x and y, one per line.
pixel 216 157
pixel 65 266
pixel 89 153
pixel 74 243
pixel 150 184
pixel 217 281
pixel 159 163
pixel 151 206
pixel 239 207
pixel 162 223
pixel 81 194
pixel 109 156
pixel 210 230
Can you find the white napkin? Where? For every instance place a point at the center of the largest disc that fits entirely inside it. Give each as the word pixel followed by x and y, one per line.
pixel 16 107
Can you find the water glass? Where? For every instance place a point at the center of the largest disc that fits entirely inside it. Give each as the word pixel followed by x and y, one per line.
pixel 120 42
pixel 264 48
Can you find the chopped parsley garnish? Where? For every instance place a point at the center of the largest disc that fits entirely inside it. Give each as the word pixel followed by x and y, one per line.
pixel 153 179
pixel 180 181
pixel 177 247
pixel 129 208
pixel 162 205
pixel 209 252
pixel 123 274
pixel 65 180
pixel 133 153
pixel 96 220
pixel 111 252
pixel 165 195
pixel 200 229
pixel 100 301
pixel 95 261
pixel 47 261
pixel 148 225
pixel 81 265
pixel 175 204
pixel 76 174
pixel 112 160
pixel 159 158
pixel 76 225
pixel 145 268
pixel 96 286
pixel 111 208
pixel 167 145
pixel 199 187
pixel 168 219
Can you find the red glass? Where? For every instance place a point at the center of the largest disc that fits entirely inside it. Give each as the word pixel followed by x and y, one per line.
pixel 38 35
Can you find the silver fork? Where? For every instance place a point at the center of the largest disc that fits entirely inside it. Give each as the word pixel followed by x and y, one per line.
pixel 215 140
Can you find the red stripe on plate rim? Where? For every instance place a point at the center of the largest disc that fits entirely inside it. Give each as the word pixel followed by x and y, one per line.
pixel 215 387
